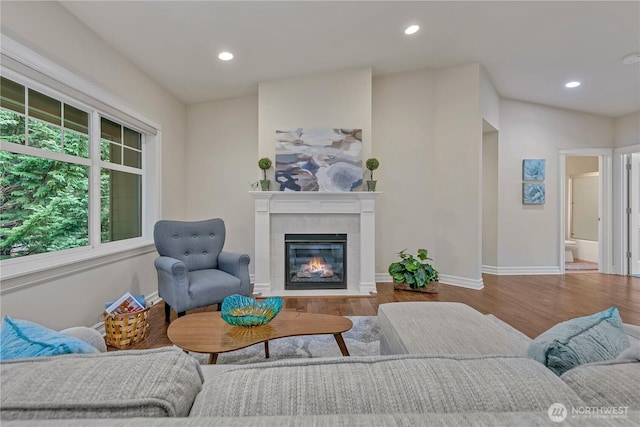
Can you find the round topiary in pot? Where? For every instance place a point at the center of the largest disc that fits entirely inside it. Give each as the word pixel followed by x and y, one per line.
pixel 265 164
pixel 372 164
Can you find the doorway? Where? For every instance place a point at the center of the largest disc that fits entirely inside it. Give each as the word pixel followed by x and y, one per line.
pixel 582 246
pixel 600 247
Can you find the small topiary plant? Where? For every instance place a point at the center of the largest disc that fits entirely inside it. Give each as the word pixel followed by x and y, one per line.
pixel 372 164
pixel 264 164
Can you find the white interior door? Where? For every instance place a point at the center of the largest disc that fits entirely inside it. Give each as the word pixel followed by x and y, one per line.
pixel 634 217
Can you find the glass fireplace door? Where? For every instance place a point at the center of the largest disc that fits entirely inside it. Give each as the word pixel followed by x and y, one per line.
pixel 315 261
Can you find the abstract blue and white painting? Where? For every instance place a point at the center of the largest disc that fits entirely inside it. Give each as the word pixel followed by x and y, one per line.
pixel 533 193
pixel 533 170
pixel 327 160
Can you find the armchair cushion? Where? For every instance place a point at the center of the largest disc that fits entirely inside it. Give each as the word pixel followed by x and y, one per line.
pixel 201 286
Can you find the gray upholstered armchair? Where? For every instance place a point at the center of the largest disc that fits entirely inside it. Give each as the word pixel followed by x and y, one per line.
pixel 193 271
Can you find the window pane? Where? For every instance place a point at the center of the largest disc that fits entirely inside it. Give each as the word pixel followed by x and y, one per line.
pixel 132 158
pixel 76 119
pixel 45 108
pixel 47 137
pixel 132 139
pixel 44 205
pixel 12 95
pixel 110 152
pixel 121 205
pixel 110 130
pixel 76 144
pixel 12 127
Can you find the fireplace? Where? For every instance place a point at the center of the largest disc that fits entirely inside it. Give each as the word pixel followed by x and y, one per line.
pixel 315 261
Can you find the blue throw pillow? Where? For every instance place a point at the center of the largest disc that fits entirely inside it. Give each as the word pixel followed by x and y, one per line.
pixel 582 340
pixel 21 339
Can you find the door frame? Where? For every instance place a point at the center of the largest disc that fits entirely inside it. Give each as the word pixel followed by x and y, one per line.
pixel 620 203
pixel 605 204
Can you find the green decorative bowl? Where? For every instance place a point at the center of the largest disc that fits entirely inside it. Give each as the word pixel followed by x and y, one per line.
pixel 238 310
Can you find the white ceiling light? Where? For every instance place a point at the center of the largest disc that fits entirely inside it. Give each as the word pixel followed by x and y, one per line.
pixel 225 56
pixel 632 58
pixel 572 84
pixel 412 29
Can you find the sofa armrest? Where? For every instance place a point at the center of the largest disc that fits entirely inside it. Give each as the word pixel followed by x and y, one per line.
pixel 89 335
pixel 237 265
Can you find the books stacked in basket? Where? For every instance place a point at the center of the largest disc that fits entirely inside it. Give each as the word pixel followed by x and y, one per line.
pixel 127 321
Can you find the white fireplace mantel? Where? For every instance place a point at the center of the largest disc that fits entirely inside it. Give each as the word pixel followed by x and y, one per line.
pixel 302 204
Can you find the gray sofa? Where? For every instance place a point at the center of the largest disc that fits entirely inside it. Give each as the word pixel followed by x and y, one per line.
pixel 463 369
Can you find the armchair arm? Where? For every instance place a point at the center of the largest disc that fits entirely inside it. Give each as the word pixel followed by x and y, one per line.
pixel 172 266
pixel 173 282
pixel 237 265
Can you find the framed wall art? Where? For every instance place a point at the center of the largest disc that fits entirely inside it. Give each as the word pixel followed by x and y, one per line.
pixel 533 169
pixel 328 160
pixel 533 193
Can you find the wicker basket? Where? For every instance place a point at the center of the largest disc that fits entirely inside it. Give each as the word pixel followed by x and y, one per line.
pixel 122 330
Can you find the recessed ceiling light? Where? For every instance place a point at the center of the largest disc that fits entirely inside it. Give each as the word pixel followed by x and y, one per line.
pixel 412 29
pixel 225 56
pixel 572 84
pixel 632 58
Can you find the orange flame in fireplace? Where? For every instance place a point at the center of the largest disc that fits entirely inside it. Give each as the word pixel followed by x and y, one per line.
pixel 316 264
pixel 316 267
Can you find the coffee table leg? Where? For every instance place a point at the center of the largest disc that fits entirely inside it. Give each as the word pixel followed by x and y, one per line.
pixel 213 358
pixel 266 349
pixel 341 344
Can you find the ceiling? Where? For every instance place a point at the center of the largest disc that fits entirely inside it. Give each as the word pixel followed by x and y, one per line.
pixel 529 49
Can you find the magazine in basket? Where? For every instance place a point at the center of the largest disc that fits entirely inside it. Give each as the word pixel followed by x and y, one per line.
pixel 125 304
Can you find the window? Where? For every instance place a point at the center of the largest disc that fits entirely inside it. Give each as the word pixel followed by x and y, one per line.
pixel 57 156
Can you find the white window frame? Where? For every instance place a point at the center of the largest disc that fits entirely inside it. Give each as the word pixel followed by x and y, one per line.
pixel 24 271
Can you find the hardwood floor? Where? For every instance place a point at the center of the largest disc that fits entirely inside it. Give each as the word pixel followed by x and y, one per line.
pixel 531 304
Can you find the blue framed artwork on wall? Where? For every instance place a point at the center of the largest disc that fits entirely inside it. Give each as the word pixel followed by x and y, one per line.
pixel 533 193
pixel 533 170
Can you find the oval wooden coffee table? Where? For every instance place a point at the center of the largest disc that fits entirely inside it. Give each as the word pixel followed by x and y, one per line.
pixel 208 333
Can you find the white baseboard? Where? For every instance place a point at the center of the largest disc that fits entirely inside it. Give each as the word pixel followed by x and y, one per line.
pixel 367 288
pixel 462 282
pixel 449 280
pixel 520 271
pixel 263 289
pixel 383 278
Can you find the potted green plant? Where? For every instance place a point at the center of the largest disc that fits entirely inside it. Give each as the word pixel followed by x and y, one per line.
pixel 372 164
pixel 264 164
pixel 414 273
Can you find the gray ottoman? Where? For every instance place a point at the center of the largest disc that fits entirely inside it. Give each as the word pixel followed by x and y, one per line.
pixel 445 328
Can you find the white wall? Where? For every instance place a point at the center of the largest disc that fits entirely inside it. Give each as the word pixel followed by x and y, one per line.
pixel 627 130
pixel 221 161
pixel 403 141
pixel 340 99
pixel 489 101
pixel 457 172
pixel 50 30
pixel 490 220
pixel 530 235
